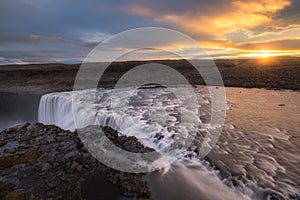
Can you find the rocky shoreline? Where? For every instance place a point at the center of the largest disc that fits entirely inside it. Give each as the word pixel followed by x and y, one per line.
pixel 45 162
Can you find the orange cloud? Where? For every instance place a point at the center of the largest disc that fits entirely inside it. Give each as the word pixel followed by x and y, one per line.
pixel 228 27
pixel 236 15
pixel 261 6
pixel 292 44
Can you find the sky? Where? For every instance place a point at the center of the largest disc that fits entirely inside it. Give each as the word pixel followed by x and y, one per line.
pixel 43 31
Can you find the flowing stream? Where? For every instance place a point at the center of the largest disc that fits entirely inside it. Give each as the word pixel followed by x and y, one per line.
pixel 256 157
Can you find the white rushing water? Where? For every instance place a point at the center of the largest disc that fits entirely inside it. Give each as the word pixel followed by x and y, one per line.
pixel 154 116
pixel 56 108
pixel 159 117
pixel 143 115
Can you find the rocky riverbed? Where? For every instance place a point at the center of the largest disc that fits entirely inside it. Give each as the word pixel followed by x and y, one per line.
pixel 45 162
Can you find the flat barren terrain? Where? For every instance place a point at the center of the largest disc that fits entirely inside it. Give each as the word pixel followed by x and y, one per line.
pixel 277 73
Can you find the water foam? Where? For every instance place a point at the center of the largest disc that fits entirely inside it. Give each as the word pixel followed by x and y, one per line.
pixel 153 115
pixel 147 114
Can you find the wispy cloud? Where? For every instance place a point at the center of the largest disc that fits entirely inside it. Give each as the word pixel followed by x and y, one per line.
pixel 52 31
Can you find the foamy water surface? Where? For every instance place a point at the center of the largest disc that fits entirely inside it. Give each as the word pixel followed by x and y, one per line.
pixel 256 157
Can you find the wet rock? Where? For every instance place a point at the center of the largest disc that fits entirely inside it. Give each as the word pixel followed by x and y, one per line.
pixel 51 160
pixel 2 143
pixel 14 150
pixel 15 195
pixel 128 143
pixel 46 167
pixel 5 188
pixel 69 155
pixel 130 184
pixel 76 167
pixel 8 161
pixel 159 136
pixel 52 163
pixel 31 197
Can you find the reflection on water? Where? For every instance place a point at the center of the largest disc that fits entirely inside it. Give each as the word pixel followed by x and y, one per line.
pixel 256 157
pixel 17 109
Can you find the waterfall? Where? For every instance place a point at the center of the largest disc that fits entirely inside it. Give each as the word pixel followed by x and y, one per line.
pixel 145 114
pixel 56 108
pixel 156 116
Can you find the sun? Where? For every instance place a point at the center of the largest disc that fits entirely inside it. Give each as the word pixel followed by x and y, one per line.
pixel 265 57
pixel 265 54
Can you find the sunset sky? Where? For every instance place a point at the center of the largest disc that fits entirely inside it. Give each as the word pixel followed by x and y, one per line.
pixel 39 31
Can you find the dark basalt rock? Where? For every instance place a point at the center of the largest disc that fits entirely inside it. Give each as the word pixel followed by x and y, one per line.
pixel 128 143
pixel 152 86
pixel 43 161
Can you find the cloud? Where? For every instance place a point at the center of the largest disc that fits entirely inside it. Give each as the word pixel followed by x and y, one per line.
pixel 290 45
pixel 28 39
pixel 74 27
pixel 214 17
pixel 233 25
pixel 247 36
